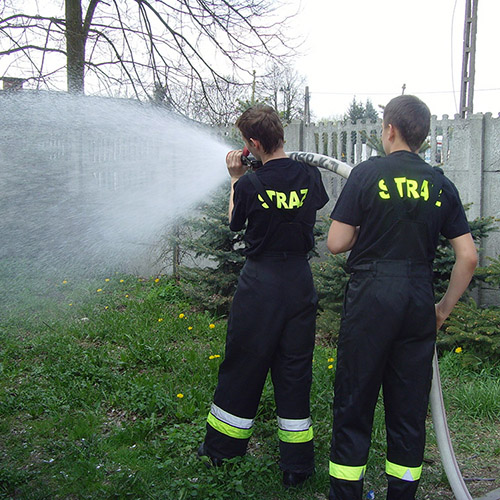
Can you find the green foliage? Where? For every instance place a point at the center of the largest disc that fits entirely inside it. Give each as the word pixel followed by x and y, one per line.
pixel 359 111
pixel 330 279
pixel 471 383
pixel 212 286
pixel 491 273
pixel 101 399
pixel 473 330
pixel 481 227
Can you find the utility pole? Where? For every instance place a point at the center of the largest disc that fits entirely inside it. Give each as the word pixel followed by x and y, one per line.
pixel 469 59
pixel 307 111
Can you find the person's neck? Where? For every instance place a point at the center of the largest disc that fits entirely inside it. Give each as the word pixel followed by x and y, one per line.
pixel 398 145
pixel 275 155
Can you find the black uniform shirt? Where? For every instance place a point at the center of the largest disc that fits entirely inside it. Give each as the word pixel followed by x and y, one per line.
pixel 286 182
pixel 395 202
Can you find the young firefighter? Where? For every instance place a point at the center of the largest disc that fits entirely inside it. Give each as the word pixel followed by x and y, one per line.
pixel 272 321
pixel 390 214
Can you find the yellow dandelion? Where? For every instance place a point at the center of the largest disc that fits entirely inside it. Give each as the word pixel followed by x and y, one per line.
pixel 160 320
pixel 458 350
pixel 106 307
pixel 190 327
pixel 211 325
pixel 211 356
pixel 157 280
pixel 126 296
pixel 216 355
pixel 64 282
pixel 122 281
pixel 70 304
pixel 330 360
pixel 330 367
pixel 107 279
pixel 181 315
pixel 180 395
pixel 99 290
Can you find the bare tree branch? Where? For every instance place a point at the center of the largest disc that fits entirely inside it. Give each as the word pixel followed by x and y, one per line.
pixel 182 50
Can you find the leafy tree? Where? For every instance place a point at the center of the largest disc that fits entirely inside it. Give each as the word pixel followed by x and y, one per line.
pixel 157 49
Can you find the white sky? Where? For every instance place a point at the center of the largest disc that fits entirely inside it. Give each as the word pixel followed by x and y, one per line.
pixel 370 48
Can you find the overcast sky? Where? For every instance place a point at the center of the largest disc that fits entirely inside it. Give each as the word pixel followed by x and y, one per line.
pixel 369 49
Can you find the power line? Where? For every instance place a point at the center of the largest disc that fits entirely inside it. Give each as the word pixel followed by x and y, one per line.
pixel 392 93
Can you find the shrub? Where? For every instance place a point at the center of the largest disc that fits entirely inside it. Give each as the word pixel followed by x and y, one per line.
pixel 473 330
pixel 212 285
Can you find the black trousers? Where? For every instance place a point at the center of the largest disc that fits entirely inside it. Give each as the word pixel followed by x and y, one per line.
pixel 271 327
pixel 387 339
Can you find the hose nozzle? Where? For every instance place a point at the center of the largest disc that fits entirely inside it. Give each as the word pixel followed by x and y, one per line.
pixel 249 160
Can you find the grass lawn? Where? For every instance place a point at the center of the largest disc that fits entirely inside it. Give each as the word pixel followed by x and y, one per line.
pixel 105 384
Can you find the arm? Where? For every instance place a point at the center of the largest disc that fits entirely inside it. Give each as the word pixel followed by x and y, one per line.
pixel 465 263
pixel 236 169
pixel 341 237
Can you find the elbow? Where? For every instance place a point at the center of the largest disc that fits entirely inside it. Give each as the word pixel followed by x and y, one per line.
pixel 470 260
pixel 333 247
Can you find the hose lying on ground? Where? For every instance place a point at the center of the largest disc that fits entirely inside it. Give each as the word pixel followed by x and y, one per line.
pixel 436 396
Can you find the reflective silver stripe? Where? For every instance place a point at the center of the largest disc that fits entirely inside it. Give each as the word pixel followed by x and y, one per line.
pixel 294 424
pixel 233 420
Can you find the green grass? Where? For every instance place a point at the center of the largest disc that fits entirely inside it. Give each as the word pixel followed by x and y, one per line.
pixel 104 392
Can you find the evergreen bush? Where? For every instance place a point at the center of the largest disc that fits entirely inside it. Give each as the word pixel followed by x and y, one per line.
pixel 211 285
pixel 472 330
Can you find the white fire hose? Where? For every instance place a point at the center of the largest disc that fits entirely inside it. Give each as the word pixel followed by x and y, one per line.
pixel 436 395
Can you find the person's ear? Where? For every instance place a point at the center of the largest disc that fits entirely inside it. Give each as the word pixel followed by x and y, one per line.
pixel 254 143
pixel 392 132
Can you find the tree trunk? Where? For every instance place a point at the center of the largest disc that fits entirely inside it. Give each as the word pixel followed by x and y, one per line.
pixel 75 46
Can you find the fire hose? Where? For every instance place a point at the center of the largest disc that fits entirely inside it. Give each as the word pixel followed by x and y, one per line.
pixel 438 411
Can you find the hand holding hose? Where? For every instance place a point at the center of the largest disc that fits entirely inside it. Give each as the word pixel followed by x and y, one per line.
pixel 235 165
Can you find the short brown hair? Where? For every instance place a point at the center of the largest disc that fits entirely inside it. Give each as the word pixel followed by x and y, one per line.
pixel 261 122
pixel 411 117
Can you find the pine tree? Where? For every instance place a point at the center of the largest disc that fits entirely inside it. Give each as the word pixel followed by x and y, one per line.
pixel 221 252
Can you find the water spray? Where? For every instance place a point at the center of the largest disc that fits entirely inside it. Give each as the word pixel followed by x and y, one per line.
pixel 438 411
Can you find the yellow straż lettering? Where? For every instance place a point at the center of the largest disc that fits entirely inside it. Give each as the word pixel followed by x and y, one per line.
pixel 438 203
pixel 424 190
pixel 281 200
pixel 294 201
pixel 264 204
pixel 399 184
pixel 270 193
pixel 411 188
pixel 384 192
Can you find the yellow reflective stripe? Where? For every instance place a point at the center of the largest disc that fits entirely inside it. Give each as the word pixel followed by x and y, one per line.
pixel 403 472
pixel 347 472
pixel 227 429
pixel 296 436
